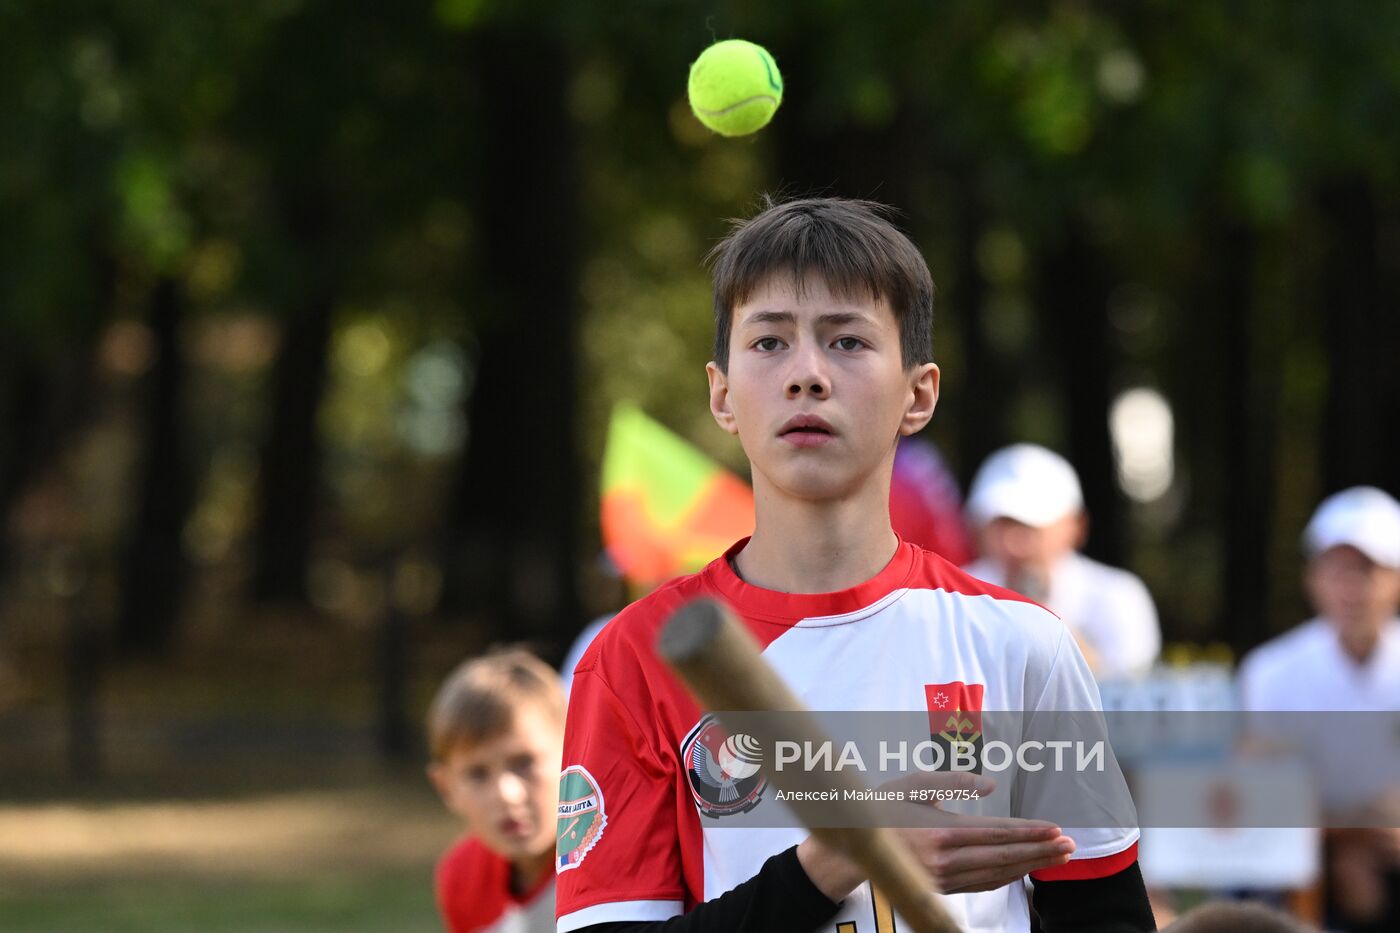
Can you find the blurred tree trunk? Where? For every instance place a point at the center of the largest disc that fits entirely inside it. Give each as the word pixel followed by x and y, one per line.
pixel 45 397
pixel 290 462
pixel 1361 441
pixel 511 538
pixel 1249 429
pixel 984 385
pixel 1073 303
pixel 21 383
pixel 153 567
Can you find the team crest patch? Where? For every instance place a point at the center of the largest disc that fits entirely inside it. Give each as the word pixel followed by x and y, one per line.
pixel 725 771
pixel 955 719
pixel 581 817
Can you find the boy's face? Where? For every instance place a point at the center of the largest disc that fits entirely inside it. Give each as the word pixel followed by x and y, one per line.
pixel 1350 589
pixel 817 390
pixel 506 788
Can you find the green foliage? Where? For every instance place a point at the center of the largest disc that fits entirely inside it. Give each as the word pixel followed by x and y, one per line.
pixel 263 149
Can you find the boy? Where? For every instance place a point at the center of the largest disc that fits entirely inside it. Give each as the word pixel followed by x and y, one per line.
pixel 495 730
pixel 823 314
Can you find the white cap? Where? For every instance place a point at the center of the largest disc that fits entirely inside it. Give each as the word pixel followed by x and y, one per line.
pixel 1364 517
pixel 1027 483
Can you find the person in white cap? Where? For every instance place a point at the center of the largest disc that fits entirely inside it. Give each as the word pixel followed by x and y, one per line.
pixel 1347 658
pixel 1028 511
pixel 1349 653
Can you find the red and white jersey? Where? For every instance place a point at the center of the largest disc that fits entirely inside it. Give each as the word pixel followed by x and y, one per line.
pixel 637 847
pixel 474 894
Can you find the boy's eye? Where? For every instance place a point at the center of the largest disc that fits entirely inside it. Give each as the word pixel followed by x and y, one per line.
pixel 849 343
pixel 767 344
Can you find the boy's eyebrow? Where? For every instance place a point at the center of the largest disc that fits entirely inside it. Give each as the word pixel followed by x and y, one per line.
pixel 770 317
pixel 837 318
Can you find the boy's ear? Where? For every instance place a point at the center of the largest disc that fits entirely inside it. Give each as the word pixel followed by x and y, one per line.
pixel 719 398
pixel 923 389
pixel 437 776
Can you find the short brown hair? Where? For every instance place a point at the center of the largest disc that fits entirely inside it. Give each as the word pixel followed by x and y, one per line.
pixel 479 700
pixel 1242 917
pixel 851 245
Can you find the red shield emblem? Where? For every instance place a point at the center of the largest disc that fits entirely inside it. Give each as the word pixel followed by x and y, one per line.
pixel 955 716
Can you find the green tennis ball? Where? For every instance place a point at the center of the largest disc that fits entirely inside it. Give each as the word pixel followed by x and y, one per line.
pixel 735 87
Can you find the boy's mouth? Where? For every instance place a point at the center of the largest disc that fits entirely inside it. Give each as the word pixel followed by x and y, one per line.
pixel 806 430
pixel 806 423
pixel 514 827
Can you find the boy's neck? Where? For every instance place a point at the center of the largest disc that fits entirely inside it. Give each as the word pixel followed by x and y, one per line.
pixel 800 546
pixel 526 873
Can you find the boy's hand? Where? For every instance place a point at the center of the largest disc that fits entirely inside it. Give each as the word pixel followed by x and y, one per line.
pixel 965 854
pixel 983 857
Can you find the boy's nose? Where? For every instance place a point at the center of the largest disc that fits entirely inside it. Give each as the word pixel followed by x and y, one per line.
pixel 808 375
pixel 511 788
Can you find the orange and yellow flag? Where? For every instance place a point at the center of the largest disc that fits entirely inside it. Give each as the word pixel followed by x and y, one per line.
pixel 667 508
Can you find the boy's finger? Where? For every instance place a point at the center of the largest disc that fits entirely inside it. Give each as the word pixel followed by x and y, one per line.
pixel 999 858
pixel 993 878
pixel 979 875
pixel 975 830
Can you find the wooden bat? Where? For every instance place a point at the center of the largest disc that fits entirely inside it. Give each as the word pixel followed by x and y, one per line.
pixel 719 660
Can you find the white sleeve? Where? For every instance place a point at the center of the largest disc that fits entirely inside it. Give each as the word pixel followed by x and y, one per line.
pixel 1098 800
pixel 1247 680
pixel 1264 684
pixel 1130 637
pixel 1068 684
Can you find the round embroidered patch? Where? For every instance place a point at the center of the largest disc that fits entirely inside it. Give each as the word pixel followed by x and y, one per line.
pixel 581 817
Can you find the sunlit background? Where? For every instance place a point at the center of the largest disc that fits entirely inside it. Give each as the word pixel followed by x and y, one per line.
pixel 312 317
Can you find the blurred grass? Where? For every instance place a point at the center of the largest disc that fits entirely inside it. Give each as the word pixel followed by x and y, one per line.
pixel 354 854
pixel 399 901
pixel 239 788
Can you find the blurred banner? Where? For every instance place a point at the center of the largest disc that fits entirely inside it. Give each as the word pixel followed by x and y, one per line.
pixel 667 508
